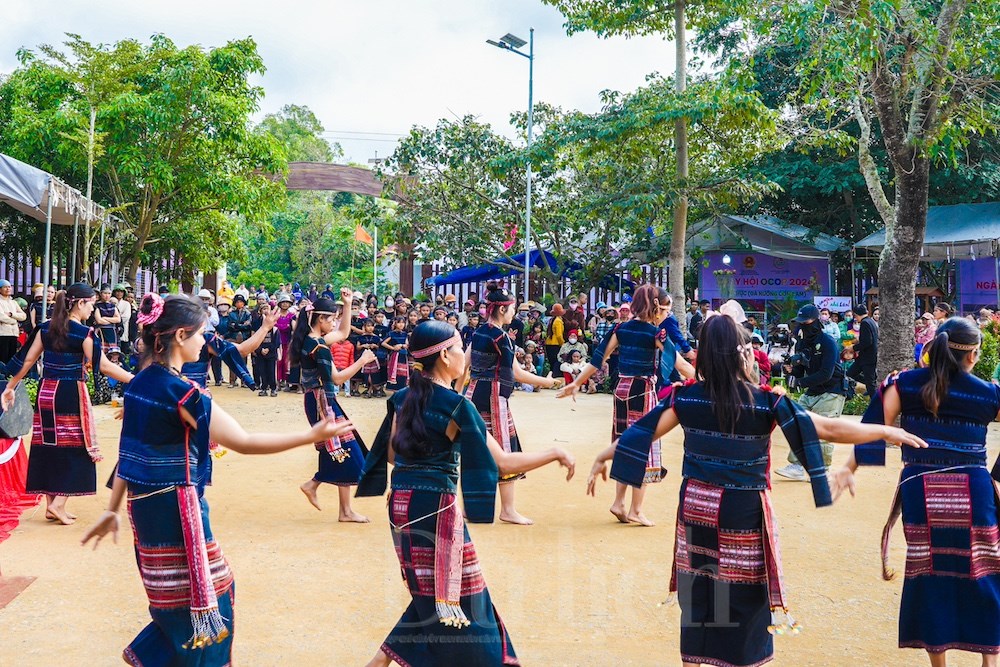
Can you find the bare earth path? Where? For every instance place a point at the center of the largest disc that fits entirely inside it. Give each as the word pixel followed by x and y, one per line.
pixel 576 589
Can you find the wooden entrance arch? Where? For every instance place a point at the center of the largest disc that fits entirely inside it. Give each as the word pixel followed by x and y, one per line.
pixel 344 178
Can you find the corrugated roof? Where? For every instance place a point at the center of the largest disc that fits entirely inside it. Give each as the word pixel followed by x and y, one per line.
pixel 961 230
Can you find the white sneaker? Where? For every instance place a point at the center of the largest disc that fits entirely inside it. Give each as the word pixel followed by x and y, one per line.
pixel 793 471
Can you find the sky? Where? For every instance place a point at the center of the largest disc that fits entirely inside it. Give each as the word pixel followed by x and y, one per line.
pixel 369 69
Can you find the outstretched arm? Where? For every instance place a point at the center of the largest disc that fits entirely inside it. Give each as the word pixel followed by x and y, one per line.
pixel 227 431
pixel 108 523
pixel 254 341
pixel 668 420
pixel 515 462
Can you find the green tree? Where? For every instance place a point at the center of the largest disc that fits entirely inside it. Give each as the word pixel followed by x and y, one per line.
pixel 179 160
pixel 300 133
pixel 920 77
pixel 645 17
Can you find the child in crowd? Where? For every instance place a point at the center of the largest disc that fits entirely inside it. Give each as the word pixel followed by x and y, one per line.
pixel 265 357
pixel 522 359
pixel 371 371
pixel 470 329
pixel 397 365
pixel 452 319
pixel 343 357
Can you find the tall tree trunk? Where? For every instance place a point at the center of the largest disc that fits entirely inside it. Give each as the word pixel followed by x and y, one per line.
pixel 677 236
pixel 897 274
pixel 90 192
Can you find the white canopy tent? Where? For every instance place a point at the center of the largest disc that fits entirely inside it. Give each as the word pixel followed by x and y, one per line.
pixel 40 195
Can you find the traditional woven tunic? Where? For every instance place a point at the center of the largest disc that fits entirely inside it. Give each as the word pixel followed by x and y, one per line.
pixel 726 542
pixel 398 363
pixel 342 457
pixel 451 619
pixel 166 464
pixel 946 496
pixel 63 438
pixel 635 393
pixel 492 384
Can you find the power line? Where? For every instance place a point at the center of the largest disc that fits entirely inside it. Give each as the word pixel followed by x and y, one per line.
pixel 385 134
pixel 391 141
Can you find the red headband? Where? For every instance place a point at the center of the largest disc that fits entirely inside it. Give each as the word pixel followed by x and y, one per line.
pixel 437 347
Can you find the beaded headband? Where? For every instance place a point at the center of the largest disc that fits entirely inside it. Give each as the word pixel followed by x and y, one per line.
pixel 962 348
pixel 437 347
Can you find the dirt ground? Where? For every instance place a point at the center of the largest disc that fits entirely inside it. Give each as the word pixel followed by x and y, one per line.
pixel 575 589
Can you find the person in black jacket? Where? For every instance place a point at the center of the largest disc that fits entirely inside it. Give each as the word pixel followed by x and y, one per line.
pixel 866 351
pixel 816 368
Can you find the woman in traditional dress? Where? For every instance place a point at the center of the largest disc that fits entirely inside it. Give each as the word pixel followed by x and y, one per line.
pixel 64 449
pixel 490 360
pixel 429 430
pixel 340 458
pixel 164 465
pixel 948 501
pixel 286 316
pixel 639 347
pixel 725 545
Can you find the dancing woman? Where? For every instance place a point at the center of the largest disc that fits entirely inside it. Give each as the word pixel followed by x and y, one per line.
pixel 490 359
pixel 64 449
pixel 946 497
pixel 164 465
pixel 341 458
pixel 639 347
pixel 107 318
pixel 430 432
pixel 726 546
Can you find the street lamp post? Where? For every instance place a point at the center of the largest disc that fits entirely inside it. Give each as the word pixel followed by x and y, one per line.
pixel 513 44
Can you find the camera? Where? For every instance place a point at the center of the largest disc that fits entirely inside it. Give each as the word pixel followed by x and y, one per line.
pixel 792 359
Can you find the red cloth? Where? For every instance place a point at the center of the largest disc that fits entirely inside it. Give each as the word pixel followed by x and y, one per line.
pixel 765 366
pixel 343 354
pixel 13 499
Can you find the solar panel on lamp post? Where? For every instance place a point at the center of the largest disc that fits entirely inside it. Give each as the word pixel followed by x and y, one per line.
pixel 513 43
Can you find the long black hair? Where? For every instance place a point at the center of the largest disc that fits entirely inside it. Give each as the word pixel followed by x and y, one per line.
pixel 179 312
pixel 66 301
pixel 304 324
pixel 722 366
pixel 955 338
pixel 411 432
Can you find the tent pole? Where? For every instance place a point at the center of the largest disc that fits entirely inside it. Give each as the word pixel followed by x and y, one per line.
pixel 47 269
pixel 996 269
pixel 100 257
pixel 76 230
pixel 375 263
pixel 854 279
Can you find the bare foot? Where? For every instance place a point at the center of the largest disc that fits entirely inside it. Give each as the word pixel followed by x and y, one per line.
pixel 515 518
pixel 51 516
pixel 619 513
pixel 352 517
pixel 310 492
pixel 639 518
pixel 62 517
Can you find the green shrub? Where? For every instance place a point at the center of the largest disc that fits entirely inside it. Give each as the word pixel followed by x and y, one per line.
pixel 989 356
pixel 856 405
pixel 32 387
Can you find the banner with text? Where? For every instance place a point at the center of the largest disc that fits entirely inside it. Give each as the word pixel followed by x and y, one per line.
pixel 977 283
pixel 758 276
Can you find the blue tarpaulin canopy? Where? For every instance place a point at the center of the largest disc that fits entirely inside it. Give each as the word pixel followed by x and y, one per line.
pixel 502 268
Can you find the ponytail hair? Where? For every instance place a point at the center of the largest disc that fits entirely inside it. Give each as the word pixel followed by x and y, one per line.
pixel 645 302
pixel 177 311
pixel 411 431
pixel 65 301
pixel 304 324
pixel 955 338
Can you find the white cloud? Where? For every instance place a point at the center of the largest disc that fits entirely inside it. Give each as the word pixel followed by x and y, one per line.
pixel 369 66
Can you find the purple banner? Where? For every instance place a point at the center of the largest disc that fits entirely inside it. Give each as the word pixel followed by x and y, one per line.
pixel 759 276
pixel 977 283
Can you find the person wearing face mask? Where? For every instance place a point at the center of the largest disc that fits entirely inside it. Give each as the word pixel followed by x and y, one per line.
pixel 817 368
pixel 829 326
pixel 573 344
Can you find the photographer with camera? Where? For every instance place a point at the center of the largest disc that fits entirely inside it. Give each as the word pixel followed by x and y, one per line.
pixel 815 366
